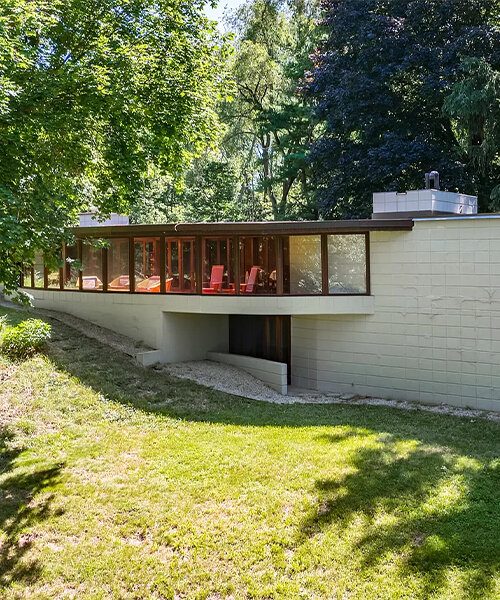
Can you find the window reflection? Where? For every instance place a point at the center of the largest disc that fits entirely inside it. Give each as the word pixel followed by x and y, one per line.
pixel 39 270
pixel 218 266
pixel 27 271
pixel 147 264
pixel 118 261
pixel 92 267
pixel 54 279
pixel 71 273
pixel 302 265
pixel 346 264
pixel 258 265
pixel 179 265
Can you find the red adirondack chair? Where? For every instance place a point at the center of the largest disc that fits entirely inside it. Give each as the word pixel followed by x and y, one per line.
pixel 216 278
pixel 250 286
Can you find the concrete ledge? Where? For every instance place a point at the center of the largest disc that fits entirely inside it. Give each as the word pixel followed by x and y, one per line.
pixel 148 357
pixel 273 374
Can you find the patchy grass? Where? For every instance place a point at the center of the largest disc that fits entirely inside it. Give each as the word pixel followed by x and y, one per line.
pixel 120 482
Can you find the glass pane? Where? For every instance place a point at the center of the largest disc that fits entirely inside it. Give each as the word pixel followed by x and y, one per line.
pixel 92 267
pixel 218 267
pixel 147 264
pixel 346 264
pixel 305 264
pixel 27 276
pixel 258 265
pixel 118 275
pixel 39 270
pixel 54 279
pixel 179 265
pixel 70 273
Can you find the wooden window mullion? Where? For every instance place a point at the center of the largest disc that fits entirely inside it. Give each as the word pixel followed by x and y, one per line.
pixel 236 258
pixel 367 264
pixel 131 265
pixel 279 266
pixel 199 261
pixel 162 264
pixel 104 262
pixel 324 264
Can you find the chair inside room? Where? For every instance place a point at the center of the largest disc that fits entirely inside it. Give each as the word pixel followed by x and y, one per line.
pixel 216 279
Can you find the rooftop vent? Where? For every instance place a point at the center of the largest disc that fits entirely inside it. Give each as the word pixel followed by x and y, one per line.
pixel 432 180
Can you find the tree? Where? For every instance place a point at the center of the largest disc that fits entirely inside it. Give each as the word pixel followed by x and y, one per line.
pixel 93 93
pixel 379 83
pixel 474 108
pixel 210 193
pixel 268 123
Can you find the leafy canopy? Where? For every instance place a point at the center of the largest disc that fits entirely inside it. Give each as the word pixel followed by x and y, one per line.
pixel 380 82
pixel 93 93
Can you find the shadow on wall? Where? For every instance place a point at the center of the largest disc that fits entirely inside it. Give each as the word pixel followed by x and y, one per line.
pixel 451 515
pixel 20 510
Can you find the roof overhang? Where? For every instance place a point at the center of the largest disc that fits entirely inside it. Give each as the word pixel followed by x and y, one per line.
pixel 245 228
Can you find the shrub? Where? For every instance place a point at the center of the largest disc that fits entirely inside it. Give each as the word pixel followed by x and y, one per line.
pixel 3 323
pixel 25 339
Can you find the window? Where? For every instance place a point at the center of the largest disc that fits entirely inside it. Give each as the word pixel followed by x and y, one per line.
pixel 71 274
pixel 54 277
pixel 118 261
pixel 147 264
pixel 27 271
pixel 39 270
pixel 258 265
pixel 347 264
pixel 218 266
pixel 92 267
pixel 179 265
pixel 302 265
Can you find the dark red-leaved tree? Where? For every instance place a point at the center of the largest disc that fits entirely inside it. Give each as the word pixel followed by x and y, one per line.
pixel 379 84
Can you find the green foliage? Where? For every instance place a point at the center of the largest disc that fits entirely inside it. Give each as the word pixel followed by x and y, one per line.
pixel 210 193
pixel 158 202
pixel 93 93
pixel 269 124
pixel 474 107
pixel 260 158
pixel 25 339
pixel 380 82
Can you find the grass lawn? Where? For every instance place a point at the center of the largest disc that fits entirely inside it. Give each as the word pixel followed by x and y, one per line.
pixel 121 482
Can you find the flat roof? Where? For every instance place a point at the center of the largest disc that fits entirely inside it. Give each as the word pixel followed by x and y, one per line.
pixel 249 228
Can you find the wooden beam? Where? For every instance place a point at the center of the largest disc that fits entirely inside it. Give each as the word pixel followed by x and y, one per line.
pixel 162 264
pixel 131 265
pixel 237 260
pixel 324 264
pixel 199 256
pixel 105 270
pixel 367 264
pixel 279 265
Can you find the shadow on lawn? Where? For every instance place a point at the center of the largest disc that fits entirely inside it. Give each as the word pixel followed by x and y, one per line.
pixel 20 510
pixel 423 536
pixel 411 514
pixel 117 377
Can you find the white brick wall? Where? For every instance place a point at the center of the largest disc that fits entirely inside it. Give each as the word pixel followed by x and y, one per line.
pixel 435 333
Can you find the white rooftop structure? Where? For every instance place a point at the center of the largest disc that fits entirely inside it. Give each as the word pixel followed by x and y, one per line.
pixel 427 202
pixel 91 219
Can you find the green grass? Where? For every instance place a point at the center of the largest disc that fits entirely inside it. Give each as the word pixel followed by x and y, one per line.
pixel 122 482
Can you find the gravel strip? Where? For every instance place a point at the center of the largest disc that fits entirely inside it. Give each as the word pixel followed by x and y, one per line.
pixel 229 379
